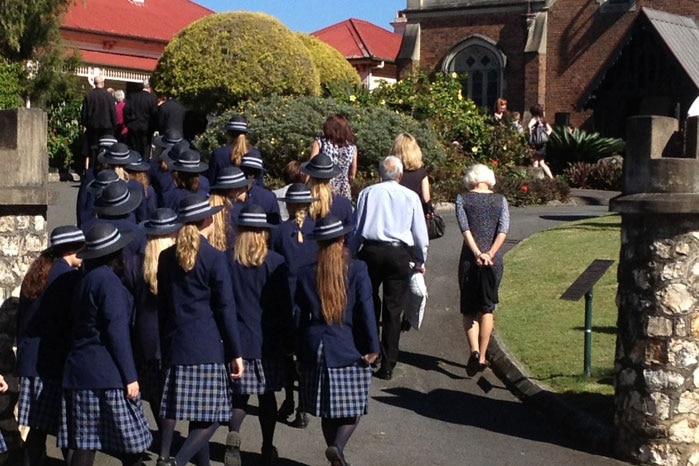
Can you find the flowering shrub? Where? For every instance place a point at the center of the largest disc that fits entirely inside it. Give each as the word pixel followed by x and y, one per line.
pixel 522 192
pixel 605 174
pixel 64 134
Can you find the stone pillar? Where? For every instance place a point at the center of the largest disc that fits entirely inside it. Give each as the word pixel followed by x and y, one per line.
pixel 657 352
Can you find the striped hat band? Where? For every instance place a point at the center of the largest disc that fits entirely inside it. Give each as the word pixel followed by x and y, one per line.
pixel 326 230
pixel 195 209
pixel 74 236
pixel 104 242
pixel 299 196
pixel 163 222
pixel 122 198
pixel 251 162
pixel 239 126
pixel 188 163
pixel 234 178
pixel 253 217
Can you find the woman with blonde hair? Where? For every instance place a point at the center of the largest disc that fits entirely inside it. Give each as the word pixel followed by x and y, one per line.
pixel 137 177
pixel 484 219
pixel 228 191
pixel 321 169
pixel 261 291
pixel 116 157
pixel 406 148
pixel 198 334
pixel 232 153
pixel 338 337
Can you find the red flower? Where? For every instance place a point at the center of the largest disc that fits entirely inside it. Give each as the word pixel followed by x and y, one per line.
pixel 495 162
pixel 524 188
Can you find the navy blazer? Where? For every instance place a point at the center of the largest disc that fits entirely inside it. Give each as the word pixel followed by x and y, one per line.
pixel 197 311
pixel 43 325
pixel 343 344
pixel 101 355
pixel 341 208
pixel 284 240
pixel 263 300
pixel 173 196
pixel 147 205
pixel 160 179
pixel 145 333
pixel 85 202
pixel 267 200
pixel 221 158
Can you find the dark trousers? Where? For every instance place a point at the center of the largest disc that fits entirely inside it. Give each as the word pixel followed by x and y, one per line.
pixel 137 139
pixel 389 265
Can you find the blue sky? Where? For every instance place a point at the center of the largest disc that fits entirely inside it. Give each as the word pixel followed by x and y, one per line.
pixel 311 15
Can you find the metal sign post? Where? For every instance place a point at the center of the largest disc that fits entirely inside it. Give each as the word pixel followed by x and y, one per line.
pixel 582 286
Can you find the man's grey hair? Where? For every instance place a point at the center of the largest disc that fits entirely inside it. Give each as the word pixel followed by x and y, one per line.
pixel 390 168
pixel 146 83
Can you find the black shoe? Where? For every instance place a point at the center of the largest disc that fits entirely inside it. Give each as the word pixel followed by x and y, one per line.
pixel 335 456
pixel 405 326
pixel 473 364
pixel 166 461
pixel 376 362
pixel 269 456
pixel 301 420
pixel 286 409
pixel 483 366
pixel 384 373
pixel 232 456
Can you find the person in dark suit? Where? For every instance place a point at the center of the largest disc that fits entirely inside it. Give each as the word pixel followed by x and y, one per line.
pixel 98 118
pixel 198 334
pixel 43 337
pixel 139 116
pixel 102 406
pixel 263 300
pixel 171 114
pixel 337 337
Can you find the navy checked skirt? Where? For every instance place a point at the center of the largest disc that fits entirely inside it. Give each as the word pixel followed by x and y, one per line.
pixel 103 419
pixel 197 393
pixel 334 392
pixel 260 376
pixel 39 404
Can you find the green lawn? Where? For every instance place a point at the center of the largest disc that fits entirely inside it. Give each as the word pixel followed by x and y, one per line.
pixel 546 333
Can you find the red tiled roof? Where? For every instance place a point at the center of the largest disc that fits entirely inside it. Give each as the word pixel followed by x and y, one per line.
pixel 152 19
pixel 356 38
pixel 119 61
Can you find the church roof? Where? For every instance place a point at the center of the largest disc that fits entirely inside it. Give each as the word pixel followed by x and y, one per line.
pixel 356 38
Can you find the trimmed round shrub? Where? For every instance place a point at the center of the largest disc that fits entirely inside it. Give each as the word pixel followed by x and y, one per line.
pixel 283 128
pixel 336 74
pixel 225 58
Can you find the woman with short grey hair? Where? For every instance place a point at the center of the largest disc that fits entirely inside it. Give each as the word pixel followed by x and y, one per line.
pixel 484 219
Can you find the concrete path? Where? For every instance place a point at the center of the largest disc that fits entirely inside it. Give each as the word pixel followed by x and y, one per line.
pixel 431 413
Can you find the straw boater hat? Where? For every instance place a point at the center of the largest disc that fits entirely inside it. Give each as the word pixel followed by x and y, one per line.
pixel 298 193
pixel 321 166
pixel 195 207
pixel 118 199
pixel 253 216
pixel 327 228
pixel 64 235
pixel 252 160
pixel 161 222
pixel 117 154
pixel 188 161
pixel 168 139
pixel 101 180
pixel 237 124
pixel 230 178
pixel 104 239
pixel 138 165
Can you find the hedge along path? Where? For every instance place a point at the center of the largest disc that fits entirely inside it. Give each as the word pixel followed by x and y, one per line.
pixel 545 333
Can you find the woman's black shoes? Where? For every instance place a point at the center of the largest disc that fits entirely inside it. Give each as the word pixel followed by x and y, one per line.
pixel 335 456
pixel 166 461
pixel 301 421
pixel 473 364
pixel 285 410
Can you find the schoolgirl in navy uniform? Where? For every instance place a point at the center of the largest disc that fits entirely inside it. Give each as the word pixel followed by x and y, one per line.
pixel 337 337
pixel 43 337
pixel 253 168
pixel 229 191
pixel 289 240
pixel 141 278
pixel 84 202
pixel 321 170
pixel 89 192
pixel 186 167
pixel 159 173
pixel 198 333
pixel 101 402
pixel 261 290
pixel 137 172
pixel 232 153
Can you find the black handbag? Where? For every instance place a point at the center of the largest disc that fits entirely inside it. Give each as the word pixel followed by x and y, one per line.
pixel 435 225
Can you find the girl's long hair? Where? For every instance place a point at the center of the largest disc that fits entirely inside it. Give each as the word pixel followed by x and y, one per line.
pixel 154 246
pixel 299 213
pixel 320 188
pixel 332 272
pixel 219 235
pixel 186 180
pixel 250 248
pixel 141 177
pixel 121 173
pixel 240 147
pixel 187 246
pixel 34 282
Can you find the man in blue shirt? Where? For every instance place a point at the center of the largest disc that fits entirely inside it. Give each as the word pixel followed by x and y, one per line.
pixel 391 236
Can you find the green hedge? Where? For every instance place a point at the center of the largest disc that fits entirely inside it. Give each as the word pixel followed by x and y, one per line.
pixel 335 72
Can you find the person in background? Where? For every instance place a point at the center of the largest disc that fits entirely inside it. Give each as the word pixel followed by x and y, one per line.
pixel 320 170
pixel 517 122
pixel 539 150
pixel 292 174
pixel 43 338
pixel 337 337
pixel 139 115
pixel 170 114
pixel 98 118
pixel 232 153
pixel 187 168
pixel 338 142
pixel 137 174
pixel 102 406
pixel 198 334
pixel 500 112
pixel 262 296
pixel 231 186
pixel 406 148
pixel 253 168
pixel 121 129
pixel 484 219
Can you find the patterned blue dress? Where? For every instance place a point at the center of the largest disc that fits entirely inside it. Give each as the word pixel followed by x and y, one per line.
pixel 485 215
pixel 342 156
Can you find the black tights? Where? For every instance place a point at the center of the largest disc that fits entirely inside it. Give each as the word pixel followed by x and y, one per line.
pixel 337 431
pixel 35 449
pixel 267 417
pixel 87 458
pixel 197 443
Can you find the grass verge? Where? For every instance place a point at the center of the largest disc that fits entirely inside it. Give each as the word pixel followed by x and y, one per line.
pixel 545 333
